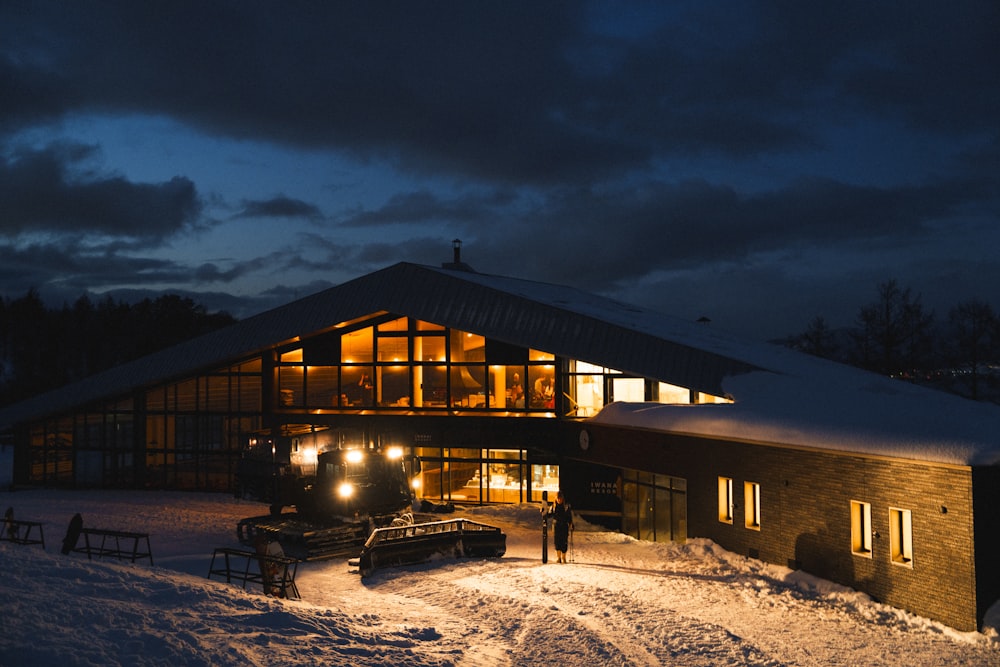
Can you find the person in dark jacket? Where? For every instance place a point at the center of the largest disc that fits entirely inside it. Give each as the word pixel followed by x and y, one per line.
pixel 562 516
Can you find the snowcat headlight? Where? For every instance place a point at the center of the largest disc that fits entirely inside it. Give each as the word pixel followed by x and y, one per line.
pixel 355 456
pixel 345 490
pixel 394 453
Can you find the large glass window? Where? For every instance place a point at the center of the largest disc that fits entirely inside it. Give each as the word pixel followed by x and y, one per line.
pixel 393 383
pixel 543 478
pixel 632 390
pixel 671 393
pixel 249 376
pixel 358 386
pixel 400 324
pixel 357 347
pixel 291 386
pixel 187 395
pixel 507 385
pixel 470 475
pixel 430 386
pixel 587 391
pixel 403 363
pixel 468 386
pixel 466 347
pixel 429 348
pixel 216 395
pixel 191 432
pixel 322 386
pixel 393 349
pixel 541 387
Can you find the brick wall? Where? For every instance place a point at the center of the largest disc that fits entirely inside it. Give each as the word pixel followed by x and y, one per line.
pixel 805 513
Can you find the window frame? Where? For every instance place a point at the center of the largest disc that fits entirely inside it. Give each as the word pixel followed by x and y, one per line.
pixel 751 500
pixel 901 537
pixel 861 529
pixel 726 504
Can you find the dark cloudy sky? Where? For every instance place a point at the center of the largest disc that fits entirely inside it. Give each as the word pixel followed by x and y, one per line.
pixel 759 163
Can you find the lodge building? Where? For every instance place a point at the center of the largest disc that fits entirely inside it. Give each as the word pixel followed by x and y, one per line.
pixel 502 389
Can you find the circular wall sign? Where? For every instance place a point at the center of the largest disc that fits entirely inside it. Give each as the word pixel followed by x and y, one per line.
pixel 584 440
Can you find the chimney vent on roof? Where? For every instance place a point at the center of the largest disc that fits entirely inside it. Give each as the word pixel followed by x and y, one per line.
pixel 457 264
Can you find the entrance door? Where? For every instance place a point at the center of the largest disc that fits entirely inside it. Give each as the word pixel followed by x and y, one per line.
pixel 654 507
pixel 664 529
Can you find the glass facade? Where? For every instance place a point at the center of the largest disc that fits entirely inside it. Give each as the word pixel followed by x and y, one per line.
pixel 401 363
pixel 190 433
pixel 473 475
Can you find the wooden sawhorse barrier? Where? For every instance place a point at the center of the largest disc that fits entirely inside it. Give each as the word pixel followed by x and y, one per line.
pixel 110 544
pixel 22 532
pixel 274 574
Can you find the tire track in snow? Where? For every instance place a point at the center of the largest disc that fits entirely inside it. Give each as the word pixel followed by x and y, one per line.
pixel 516 622
pixel 607 619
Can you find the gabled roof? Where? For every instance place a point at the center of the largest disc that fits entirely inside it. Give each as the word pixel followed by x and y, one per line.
pixel 781 396
pixel 557 319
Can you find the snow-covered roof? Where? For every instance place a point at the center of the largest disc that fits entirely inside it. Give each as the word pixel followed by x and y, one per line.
pixel 781 396
pixel 839 409
pixel 793 398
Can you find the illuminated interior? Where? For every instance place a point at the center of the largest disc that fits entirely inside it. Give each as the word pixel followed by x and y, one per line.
pixel 192 429
pixel 473 475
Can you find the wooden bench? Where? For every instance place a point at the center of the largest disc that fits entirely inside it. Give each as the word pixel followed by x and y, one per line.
pixel 101 542
pixel 22 532
pixel 276 577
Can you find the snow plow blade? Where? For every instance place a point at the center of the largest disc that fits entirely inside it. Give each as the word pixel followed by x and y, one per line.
pixel 419 542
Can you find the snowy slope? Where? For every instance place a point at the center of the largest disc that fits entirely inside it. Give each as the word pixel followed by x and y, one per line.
pixel 621 602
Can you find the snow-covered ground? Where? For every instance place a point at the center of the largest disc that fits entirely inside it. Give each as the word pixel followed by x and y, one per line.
pixel 621 602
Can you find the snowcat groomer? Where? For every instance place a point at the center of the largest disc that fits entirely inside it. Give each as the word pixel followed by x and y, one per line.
pixel 352 498
pixel 341 485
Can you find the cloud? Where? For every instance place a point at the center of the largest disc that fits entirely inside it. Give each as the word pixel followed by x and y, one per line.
pixel 30 94
pixel 501 90
pixel 280 207
pixel 653 226
pixel 43 191
pixel 508 92
pixel 70 264
pixel 607 146
pixel 420 207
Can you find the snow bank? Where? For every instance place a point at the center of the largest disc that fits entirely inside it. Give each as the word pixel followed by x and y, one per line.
pixel 620 602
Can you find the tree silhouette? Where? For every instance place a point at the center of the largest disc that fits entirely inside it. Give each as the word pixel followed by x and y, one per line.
pixel 818 340
pixel 41 348
pixel 974 341
pixel 894 334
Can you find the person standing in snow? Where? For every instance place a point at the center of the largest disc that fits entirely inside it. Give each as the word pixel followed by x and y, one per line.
pixel 562 516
